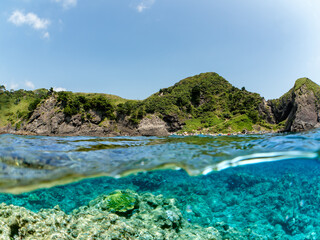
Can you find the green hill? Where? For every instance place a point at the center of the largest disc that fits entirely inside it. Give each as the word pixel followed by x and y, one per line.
pixel 207 101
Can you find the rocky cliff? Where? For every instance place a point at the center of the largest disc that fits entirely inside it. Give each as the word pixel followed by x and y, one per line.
pixel 299 108
pixel 49 119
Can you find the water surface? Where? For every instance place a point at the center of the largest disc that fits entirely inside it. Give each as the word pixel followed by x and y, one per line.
pixel 213 178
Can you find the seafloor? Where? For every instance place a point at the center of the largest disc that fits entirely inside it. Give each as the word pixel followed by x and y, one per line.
pixel 278 200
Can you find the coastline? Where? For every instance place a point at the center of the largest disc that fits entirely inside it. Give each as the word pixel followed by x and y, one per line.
pixel 224 134
pixel 114 134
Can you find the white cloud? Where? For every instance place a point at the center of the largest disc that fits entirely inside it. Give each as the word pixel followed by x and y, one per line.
pixel 18 18
pixel 144 4
pixel 29 84
pixel 66 4
pixel 46 35
pixel 14 86
pixel 59 89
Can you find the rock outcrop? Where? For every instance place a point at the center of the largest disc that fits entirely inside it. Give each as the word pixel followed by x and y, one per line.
pixel 299 108
pixel 153 126
pixel 49 119
pixel 265 112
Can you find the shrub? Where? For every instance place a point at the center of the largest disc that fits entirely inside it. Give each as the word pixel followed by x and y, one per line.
pixel 33 105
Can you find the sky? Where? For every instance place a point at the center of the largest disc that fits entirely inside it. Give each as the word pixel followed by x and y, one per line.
pixel 133 48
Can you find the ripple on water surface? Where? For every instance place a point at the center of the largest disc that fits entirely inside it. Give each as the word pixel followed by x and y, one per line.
pixel 30 162
pixel 270 200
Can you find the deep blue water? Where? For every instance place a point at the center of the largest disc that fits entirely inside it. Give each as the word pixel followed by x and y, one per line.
pixel 278 197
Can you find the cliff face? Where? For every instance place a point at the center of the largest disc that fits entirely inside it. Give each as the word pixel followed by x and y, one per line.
pixel 49 119
pixel 299 108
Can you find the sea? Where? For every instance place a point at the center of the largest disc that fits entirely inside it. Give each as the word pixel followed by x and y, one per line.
pixel 264 186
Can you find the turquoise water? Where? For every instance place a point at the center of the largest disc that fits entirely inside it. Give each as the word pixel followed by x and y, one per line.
pixel 247 186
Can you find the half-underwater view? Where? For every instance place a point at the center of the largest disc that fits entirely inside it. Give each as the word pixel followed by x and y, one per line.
pixel 159 120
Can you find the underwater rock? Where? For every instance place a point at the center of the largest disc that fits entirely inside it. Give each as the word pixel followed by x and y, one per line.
pixel 242 180
pixel 120 201
pixel 154 218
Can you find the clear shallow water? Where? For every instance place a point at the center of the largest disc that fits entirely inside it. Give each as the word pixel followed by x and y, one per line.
pixel 270 200
pixel 29 162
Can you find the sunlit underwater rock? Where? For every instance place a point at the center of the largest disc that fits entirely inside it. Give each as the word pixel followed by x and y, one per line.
pixel 154 218
pixel 120 201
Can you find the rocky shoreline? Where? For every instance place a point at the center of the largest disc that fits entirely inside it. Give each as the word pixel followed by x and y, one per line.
pixel 196 133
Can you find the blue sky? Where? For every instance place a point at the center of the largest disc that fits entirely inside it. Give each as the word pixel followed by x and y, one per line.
pixel 132 48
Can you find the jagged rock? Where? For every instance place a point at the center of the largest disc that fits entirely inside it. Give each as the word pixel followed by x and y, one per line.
pixel 153 126
pixel 265 112
pixel 304 114
pixel 299 107
pixel 49 119
pixel 173 123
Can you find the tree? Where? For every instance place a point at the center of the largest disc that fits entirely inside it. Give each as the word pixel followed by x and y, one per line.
pixel 195 95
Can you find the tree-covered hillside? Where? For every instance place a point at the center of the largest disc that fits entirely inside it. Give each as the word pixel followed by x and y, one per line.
pixel 208 101
pixel 205 102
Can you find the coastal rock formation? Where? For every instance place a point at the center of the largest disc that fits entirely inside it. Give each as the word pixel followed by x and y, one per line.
pixel 304 114
pixel 49 119
pixel 299 108
pixel 154 217
pixel 153 126
pixel 265 112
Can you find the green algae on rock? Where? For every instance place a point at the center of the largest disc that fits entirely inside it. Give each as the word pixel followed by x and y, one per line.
pixel 120 201
pixel 155 218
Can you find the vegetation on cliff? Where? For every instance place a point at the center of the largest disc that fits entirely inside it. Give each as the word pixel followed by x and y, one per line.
pixel 298 109
pixel 17 106
pixel 205 102
pixel 309 85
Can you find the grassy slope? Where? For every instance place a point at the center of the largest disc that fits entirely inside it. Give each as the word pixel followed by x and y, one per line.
pixel 113 98
pixel 14 105
pixel 312 86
